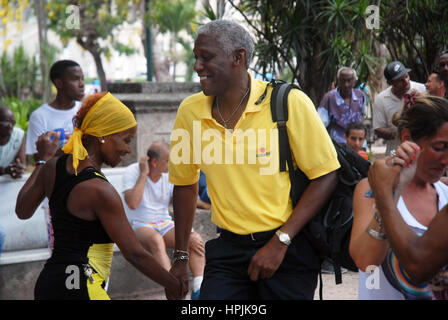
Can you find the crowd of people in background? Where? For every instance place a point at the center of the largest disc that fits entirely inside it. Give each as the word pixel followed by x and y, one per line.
pixel 260 252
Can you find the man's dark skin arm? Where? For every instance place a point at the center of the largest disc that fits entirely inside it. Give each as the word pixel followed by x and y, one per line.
pixel 184 207
pixel 268 259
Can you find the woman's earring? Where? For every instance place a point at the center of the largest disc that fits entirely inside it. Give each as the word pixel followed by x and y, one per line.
pixel 102 140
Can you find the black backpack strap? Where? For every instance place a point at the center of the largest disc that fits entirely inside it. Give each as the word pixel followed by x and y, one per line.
pixel 321 285
pixel 279 111
pixel 337 242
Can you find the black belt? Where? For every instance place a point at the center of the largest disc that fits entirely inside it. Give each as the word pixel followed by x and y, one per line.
pixel 251 237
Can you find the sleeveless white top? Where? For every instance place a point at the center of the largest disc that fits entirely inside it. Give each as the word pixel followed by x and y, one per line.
pixel 389 281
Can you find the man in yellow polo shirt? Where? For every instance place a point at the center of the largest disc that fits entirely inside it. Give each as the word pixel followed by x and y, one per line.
pixel 227 132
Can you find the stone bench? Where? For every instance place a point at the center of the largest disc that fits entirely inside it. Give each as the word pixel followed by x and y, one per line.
pixel 19 270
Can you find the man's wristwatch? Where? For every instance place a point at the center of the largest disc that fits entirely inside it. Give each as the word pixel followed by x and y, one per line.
pixel 283 237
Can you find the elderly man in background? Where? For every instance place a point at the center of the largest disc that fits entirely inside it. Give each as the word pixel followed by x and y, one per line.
pixel 342 105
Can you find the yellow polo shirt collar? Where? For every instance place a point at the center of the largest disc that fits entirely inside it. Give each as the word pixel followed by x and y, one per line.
pixel 205 107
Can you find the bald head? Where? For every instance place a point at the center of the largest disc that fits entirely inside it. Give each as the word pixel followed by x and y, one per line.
pixel 157 149
pixel 158 153
pixel 5 113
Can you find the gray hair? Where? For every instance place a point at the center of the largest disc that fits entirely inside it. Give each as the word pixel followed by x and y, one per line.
pixel 230 35
pixel 349 69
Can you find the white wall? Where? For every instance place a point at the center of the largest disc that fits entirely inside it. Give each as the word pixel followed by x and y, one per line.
pixel 32 233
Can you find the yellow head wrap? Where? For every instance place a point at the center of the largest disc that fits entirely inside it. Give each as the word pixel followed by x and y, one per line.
pixel 107 116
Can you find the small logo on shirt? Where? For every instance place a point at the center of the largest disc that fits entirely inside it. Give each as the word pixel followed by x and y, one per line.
pixel 262 152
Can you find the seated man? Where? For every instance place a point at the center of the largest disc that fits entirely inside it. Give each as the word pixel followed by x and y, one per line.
pixel 147 193
pixel 12 145
pixel 355 137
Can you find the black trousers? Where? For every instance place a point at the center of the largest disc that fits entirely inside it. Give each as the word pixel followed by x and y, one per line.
pixel 227 262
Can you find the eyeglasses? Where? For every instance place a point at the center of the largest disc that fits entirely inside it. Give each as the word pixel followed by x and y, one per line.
pixel 7 124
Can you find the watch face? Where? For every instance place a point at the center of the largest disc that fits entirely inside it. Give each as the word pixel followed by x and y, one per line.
pixel 284 237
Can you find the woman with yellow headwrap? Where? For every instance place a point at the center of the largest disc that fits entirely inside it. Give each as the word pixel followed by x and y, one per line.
pixel 87 212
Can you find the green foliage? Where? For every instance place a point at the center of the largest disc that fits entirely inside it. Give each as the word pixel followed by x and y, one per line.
pixel 214 14
pixel 310 38
pixel 98 16
pixel 18 74
pixel 173 16
pixel 123 49
pixel 20 83
pixel 414 31
pixel 89 22
pixel 188 58
pixel 22 109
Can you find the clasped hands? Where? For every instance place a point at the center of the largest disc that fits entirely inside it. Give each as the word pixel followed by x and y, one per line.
pixel 394 172
pixel 179 270
pixel 16 169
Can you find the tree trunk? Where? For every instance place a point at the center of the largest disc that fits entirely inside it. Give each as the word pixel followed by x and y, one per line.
pixel 90 46
pixel 173 42
pixel 161 65
pixel 43 61
pixel 100 70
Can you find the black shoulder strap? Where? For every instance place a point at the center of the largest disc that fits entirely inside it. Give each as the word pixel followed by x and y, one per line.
pixel 279 111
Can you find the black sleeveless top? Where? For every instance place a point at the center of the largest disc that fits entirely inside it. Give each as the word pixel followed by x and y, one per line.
pixel 73 236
